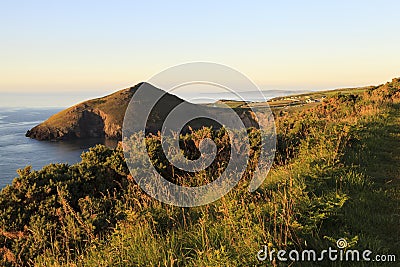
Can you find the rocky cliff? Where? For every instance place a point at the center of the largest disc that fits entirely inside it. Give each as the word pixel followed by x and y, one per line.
pixel 100 117
pixel 103 117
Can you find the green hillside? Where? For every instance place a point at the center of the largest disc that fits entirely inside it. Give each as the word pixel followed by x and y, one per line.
pixel 104 117
pixel 335 175
pixel 107 112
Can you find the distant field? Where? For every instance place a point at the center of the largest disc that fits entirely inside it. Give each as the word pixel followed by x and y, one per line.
pixel 296 102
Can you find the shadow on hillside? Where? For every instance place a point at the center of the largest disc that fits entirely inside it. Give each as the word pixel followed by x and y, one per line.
pixel 373 211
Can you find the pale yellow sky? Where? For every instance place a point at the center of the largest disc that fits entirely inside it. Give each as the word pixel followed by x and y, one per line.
pixel 98 47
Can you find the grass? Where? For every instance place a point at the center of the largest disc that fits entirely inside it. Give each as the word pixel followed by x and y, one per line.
pixel 378 205
pixel 307 203
pixel 335 176
pixel 113 105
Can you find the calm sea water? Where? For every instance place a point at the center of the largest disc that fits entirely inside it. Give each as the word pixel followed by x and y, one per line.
pixel 18 151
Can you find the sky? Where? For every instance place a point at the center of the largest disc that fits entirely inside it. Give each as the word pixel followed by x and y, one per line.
pixel 55 53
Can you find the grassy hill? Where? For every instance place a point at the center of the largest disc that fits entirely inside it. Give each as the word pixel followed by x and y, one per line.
pixel 335 175
pixel 100 117
pixel 104 117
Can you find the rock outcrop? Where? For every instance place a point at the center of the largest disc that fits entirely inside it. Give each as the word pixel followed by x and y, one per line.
pixel 103 117
pixel 96 118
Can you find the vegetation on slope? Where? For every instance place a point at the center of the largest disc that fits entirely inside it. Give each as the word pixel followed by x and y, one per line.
pixel 335 176
pixel 104 115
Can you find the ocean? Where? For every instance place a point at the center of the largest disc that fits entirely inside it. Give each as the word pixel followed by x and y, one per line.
pixel 18 151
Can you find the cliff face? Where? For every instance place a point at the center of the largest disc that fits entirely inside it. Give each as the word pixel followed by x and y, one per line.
pixel 103 117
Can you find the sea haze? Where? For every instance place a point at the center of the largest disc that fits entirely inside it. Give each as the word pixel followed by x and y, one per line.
pixel 18 151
